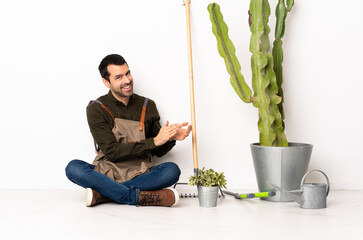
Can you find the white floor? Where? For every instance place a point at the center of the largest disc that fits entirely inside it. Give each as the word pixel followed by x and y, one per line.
pixel 62 214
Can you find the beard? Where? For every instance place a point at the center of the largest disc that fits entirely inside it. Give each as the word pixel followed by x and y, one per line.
pixel 125 90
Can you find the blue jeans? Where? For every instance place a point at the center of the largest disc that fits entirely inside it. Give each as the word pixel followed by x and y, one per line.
pixel 159 177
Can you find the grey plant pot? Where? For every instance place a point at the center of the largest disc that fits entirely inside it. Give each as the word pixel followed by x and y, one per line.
pixel 207 196
pixel 282 166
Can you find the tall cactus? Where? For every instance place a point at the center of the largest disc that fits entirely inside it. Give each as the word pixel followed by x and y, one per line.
pixel 281 14
pixel 266 67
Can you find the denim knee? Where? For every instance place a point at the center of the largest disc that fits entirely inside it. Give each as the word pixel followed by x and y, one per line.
pixel 173 171
pixel 73 169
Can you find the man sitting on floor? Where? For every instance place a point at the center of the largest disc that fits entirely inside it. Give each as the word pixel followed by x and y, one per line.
pixel 127 134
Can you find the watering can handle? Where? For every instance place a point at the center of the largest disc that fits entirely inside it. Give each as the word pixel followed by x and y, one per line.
pixel 327 179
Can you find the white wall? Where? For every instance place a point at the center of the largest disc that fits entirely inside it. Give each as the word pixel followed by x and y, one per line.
pixel 50 51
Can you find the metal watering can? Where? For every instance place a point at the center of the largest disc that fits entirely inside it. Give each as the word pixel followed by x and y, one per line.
pixel 310 195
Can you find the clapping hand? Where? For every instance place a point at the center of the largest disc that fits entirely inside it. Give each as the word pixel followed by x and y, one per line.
pixel 182 133
pixel 166 133
pixel 172 132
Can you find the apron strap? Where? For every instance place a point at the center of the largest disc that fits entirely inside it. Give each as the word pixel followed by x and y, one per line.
pixel 142 119
pixel 102 105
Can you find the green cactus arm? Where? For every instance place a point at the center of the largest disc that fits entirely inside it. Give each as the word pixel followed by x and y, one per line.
pixel 272 88
pixel 289 5
pixel 259 13
pixel 256 26
pixel 277 52
pixel 280 19
pixel 259 60
pixel 278 125
pixel 266 100
pixel 278 58
pixel 227 51
pixel 265 40
pixel 261 99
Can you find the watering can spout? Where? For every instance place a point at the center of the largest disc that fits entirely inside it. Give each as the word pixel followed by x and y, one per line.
pixel 295 195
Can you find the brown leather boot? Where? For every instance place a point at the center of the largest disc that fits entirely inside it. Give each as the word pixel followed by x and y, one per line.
pixel 167 197
pixel 93 197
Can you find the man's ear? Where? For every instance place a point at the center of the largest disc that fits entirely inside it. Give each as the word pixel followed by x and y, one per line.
pixel 106 82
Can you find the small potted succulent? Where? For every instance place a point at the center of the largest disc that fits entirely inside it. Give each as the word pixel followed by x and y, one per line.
pixel 208 183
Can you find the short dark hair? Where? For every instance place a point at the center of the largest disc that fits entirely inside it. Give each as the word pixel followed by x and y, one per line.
pixel 114 59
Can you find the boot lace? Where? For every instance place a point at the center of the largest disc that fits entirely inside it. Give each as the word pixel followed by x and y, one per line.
pixel 150 199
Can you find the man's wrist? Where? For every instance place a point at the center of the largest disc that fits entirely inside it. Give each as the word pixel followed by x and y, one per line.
pixel 157 142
